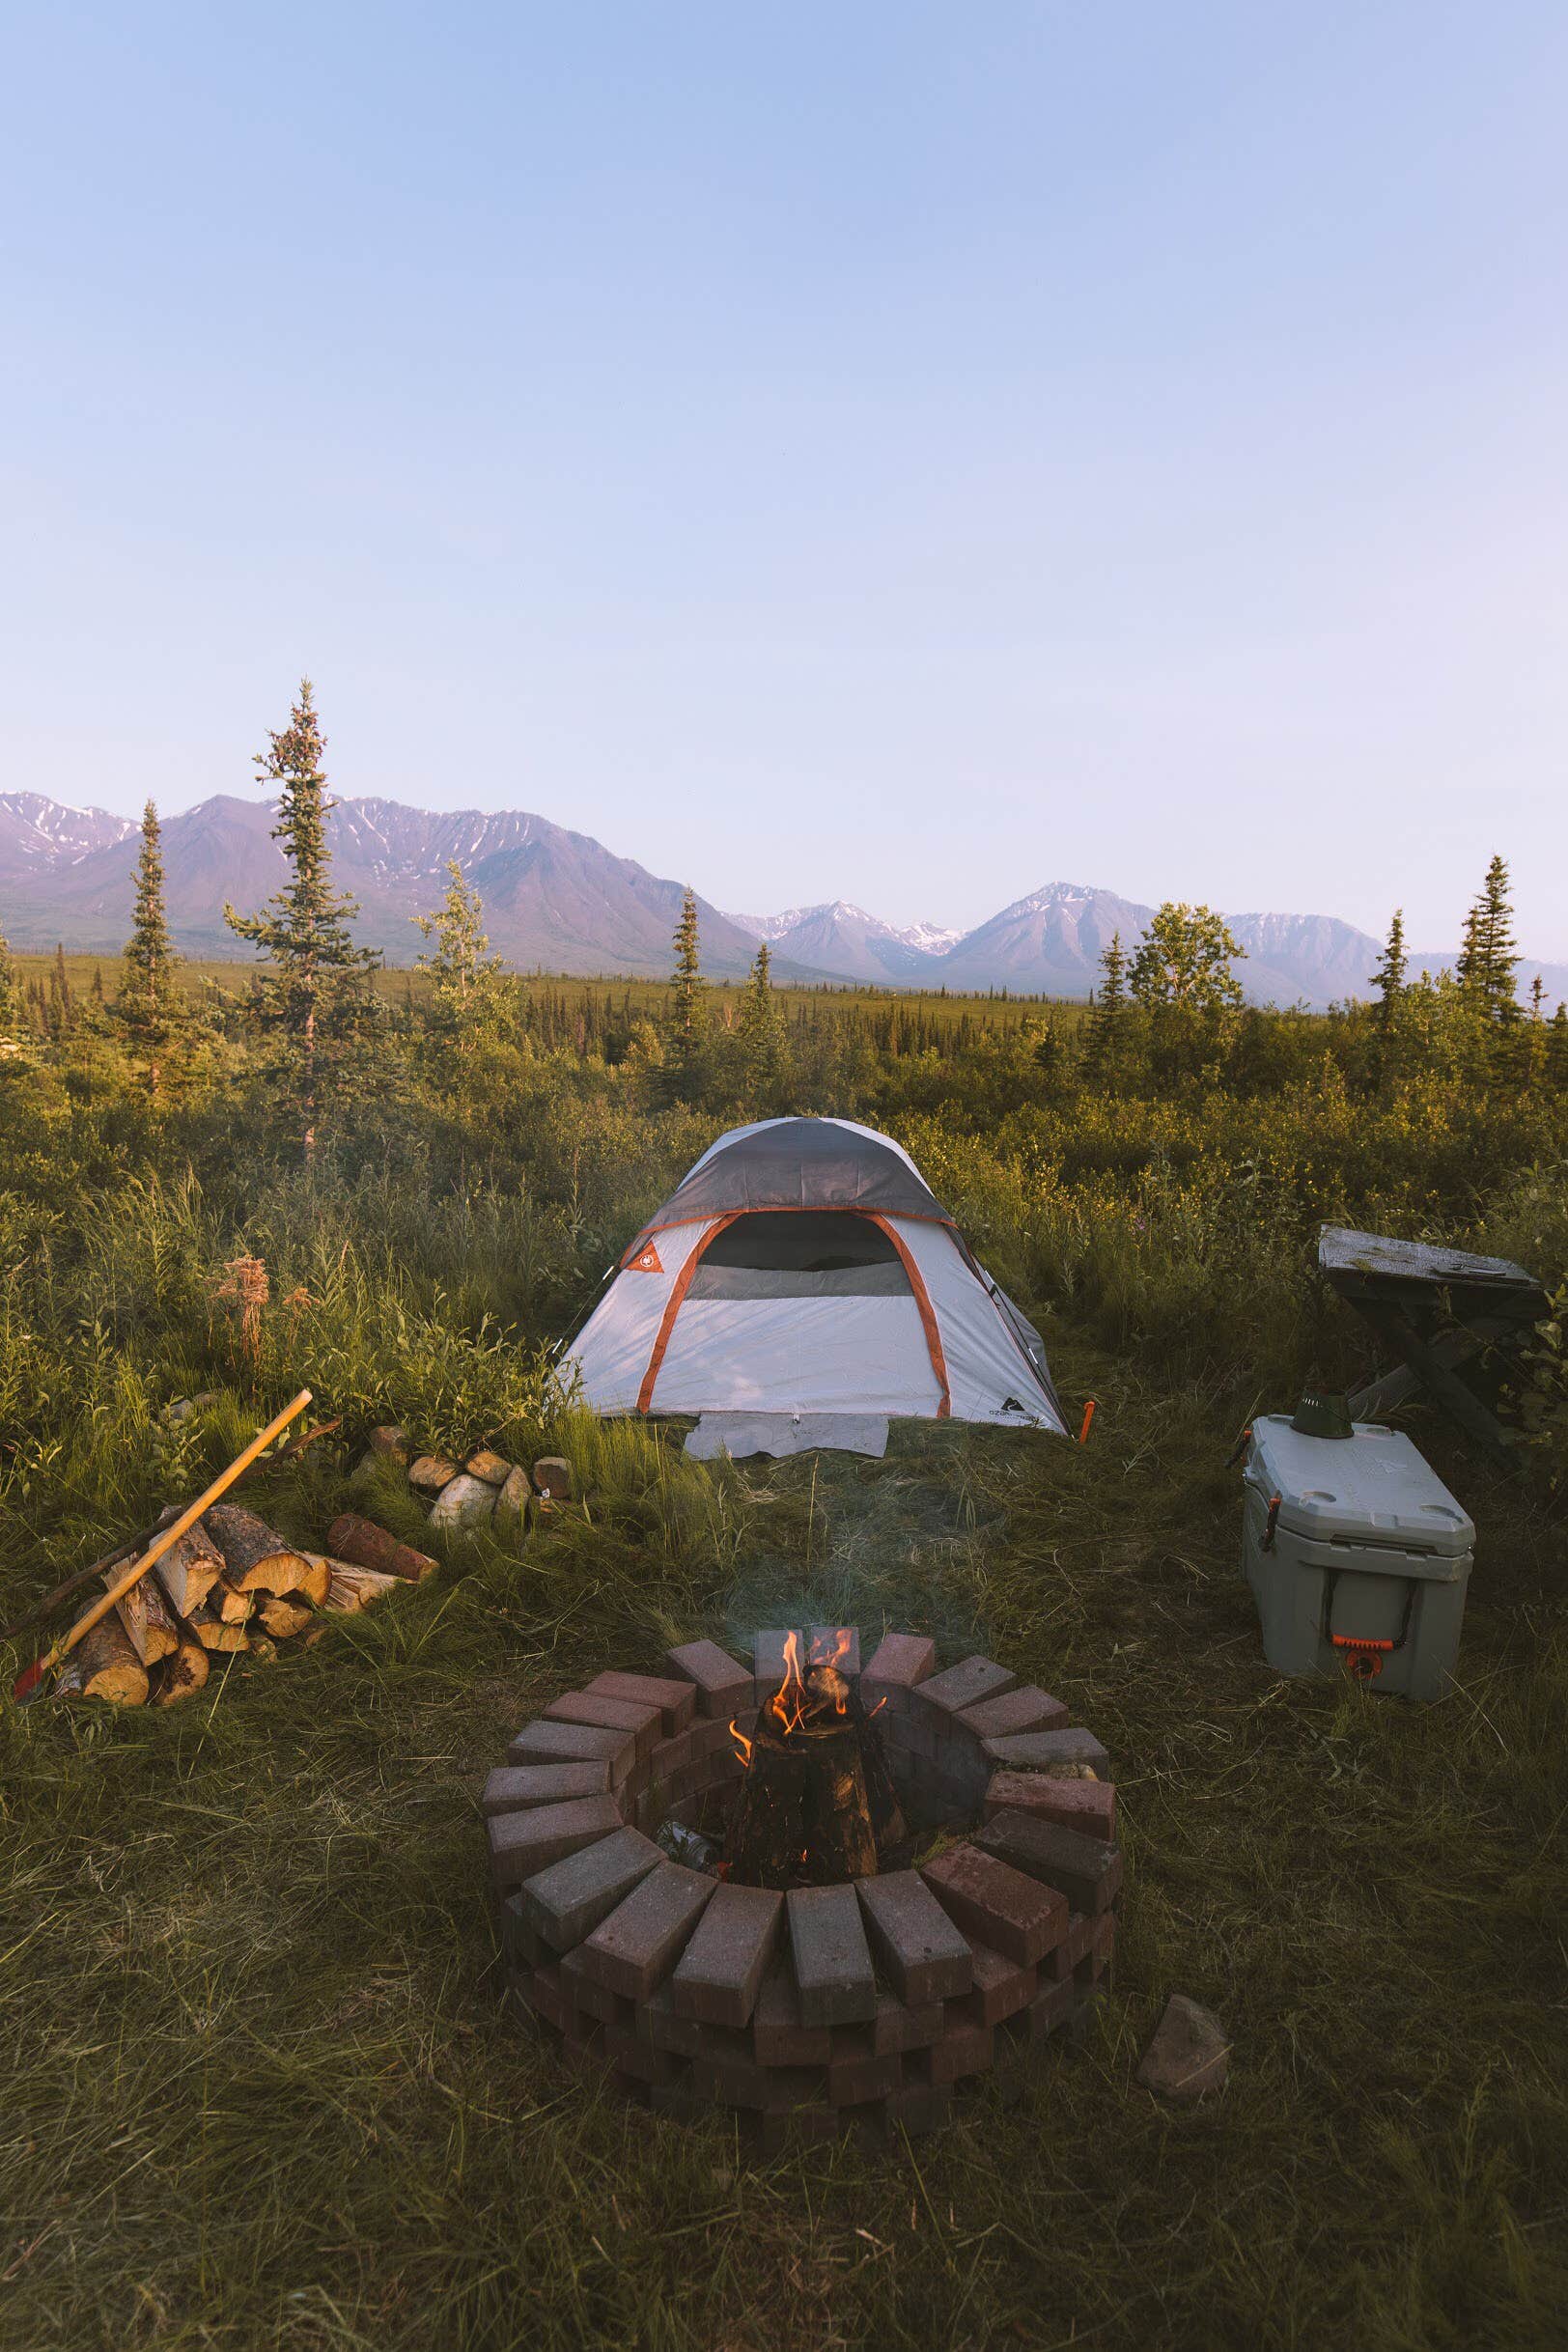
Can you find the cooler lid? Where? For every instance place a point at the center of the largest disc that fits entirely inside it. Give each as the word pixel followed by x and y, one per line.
pixel 1370 1488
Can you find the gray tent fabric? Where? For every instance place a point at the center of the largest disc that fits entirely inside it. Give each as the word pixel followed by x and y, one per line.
pixel 804 1268
pixel 799 1164
pixel 711 1281
pixel 782 1434
pixel 1027 1337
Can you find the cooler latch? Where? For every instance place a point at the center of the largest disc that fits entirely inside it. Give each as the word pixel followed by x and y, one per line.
pixel 1364 1654
pixel 1363 1658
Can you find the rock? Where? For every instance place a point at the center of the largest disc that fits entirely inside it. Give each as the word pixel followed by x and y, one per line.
pixel 493 1469
pixel 430 1473
pixel 464 1502
pixel 512 1501
pixel 552 1477
pixel 181 1407
pixel 389 1443
pixel 1189 2054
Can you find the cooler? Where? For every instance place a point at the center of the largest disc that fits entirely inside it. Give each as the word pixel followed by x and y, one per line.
pixel 1357 1556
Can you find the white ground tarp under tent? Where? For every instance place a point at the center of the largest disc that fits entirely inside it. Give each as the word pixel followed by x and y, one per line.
pixel 805 1266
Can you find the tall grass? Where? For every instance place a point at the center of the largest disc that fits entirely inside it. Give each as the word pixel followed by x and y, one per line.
pixel 262 2088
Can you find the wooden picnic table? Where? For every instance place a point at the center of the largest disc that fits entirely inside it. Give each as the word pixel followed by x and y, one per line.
pixel 1440 1311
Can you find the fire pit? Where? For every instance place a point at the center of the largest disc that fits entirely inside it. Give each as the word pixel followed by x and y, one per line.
pixel 817 1895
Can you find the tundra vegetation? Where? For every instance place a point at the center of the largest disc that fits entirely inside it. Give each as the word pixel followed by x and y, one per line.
pixel 260 2084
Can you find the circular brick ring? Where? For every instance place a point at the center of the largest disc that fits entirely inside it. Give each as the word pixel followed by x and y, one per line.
pixel 831 2006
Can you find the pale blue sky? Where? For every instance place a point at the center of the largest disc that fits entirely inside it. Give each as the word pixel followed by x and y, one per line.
pixel 901 452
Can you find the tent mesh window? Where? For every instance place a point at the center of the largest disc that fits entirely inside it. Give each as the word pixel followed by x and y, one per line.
pixel 829 1254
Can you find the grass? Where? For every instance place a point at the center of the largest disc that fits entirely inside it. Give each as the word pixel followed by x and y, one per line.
pixel 399 982
pixel 262 2088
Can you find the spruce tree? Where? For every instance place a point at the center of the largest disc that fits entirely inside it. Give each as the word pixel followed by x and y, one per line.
pixel 1557 1049
pixel 1389 979
pixel 315 1005
pixel 687 1030
pixel 149 1010
pixel 465 977
pixel 1108 1021
pixel 762 1040
pixel 1488 957
pixel 11 995
pixel 62 1003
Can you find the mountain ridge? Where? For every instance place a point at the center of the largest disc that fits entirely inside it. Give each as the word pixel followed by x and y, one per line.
pixel 559 900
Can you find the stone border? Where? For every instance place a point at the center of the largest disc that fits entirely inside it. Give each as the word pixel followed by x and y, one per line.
pixel 828 2007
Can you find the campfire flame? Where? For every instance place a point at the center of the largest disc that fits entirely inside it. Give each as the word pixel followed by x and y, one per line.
pixel 807 1688
pixel 788 1704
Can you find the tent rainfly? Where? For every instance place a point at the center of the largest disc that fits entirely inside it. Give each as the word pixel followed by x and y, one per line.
pixel 805 1266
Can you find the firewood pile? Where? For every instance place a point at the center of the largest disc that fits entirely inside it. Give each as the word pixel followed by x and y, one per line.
pixel 214 1576
pixel 234 1583
pixel 231 1582
pixel 486 1491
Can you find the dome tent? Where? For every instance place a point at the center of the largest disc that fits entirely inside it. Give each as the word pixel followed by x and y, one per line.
pixel 805 1266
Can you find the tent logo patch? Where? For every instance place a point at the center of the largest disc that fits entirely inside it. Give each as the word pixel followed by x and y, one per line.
pixel 646 1261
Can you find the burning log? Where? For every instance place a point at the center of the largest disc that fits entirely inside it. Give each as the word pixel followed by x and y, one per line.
pixel 889 1826
pixel 803 1814
pixel 802 1819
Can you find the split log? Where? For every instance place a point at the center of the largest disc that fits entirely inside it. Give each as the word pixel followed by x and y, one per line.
pixel 229 1603
pixel 110 1666
pixel 887 1823
pixel 365 1545
pixel 256 1557
pixel 313 1588
pixel 802 1818
pixel 182 1674
pixel 284 1614
pixel 190 1569
pixel 147 1618
pixel 353 1588
pixel 212 1633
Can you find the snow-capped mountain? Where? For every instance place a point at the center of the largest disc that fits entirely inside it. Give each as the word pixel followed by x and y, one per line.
pixel 552 898
pixel 845 940
pixel 561 901
pixel 39 835
pixel 1048 943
